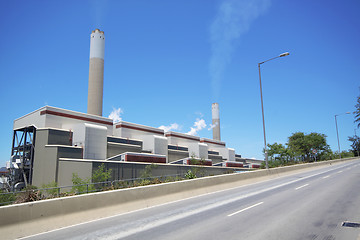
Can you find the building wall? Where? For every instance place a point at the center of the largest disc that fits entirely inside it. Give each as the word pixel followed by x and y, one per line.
pixel 226 153
pixel 51 117
pixel 33 118
pixel 135 131
pixel 93 139
pixel 174 155
pixel 193 144
pixel 45 158
pixel 68 167
pixel 127 170
pixel 48 149
pixel 59 137
pixel 54 162
pixel 150 136
pixel 215 158
pixel 66 119
pixel 114 149
pixel 56 129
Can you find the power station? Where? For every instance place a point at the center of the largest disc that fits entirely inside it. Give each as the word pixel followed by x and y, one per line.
pixel 50 144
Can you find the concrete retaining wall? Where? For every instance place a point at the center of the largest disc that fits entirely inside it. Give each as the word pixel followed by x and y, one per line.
pixel 36 217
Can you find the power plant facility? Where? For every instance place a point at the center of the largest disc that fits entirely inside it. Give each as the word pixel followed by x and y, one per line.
pixel 50 143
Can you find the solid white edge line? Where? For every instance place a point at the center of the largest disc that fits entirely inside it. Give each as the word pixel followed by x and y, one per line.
pixel 302 186
pixel 244 209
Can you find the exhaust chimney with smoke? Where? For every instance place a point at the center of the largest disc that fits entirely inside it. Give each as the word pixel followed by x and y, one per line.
pixel 96 73
pixel 216 121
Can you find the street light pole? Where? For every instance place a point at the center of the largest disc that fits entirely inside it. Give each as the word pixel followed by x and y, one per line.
pixel 263 120
pixel 262 105
pixel 337 132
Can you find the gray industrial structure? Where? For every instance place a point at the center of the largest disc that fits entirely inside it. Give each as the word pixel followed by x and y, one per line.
pixel 215 121
pixel 96 72
pixel 50 144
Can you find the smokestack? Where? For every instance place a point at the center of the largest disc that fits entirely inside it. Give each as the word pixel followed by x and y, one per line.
pixel 216 121
pixel 96 73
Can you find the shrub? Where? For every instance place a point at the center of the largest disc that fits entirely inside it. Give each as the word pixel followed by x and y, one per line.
pixel 190 175
pixel 6 197
pixel 101 175
pixel 80 185
pixel 52 191
pixel 30 194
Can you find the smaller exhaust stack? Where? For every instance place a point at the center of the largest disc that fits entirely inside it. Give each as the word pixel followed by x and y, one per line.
pixel 216 121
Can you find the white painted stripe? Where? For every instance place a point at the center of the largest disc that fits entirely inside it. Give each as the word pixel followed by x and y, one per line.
pixel 326 176
pixel 242 210
pixel 340 171
pixel 301 186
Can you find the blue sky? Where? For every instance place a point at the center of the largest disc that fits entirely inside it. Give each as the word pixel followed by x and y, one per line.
pixel 167 61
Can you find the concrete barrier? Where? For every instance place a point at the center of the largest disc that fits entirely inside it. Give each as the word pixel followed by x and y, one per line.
pixel 25 219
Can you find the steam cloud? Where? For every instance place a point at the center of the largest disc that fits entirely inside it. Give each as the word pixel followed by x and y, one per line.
pixel 232 20
pixel 99 12
pixel 115 115
pixel 198 125
pixel 173 126
pixel 212 126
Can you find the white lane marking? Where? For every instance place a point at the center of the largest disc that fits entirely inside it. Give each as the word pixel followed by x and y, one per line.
pixel 301 186
pixel 326 176
pixel 244 209
pixel 202 195
pixel 340 171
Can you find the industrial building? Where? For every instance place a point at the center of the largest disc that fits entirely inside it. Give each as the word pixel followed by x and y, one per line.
pixel 50 144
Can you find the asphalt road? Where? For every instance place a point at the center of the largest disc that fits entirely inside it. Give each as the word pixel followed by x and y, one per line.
pixel 307 205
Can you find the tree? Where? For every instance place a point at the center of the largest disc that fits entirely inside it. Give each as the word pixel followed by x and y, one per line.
pixel 355 145
pixel 277 151
pixel 357 112
pixel 317 141
pixel 297 146
pixel 301 145
pixel 347 154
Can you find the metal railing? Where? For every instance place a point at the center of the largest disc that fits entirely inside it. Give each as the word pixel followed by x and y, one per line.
pixel 36 194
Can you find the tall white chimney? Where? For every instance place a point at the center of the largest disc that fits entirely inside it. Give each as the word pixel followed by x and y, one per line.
pixel 96 73
pixel 216 121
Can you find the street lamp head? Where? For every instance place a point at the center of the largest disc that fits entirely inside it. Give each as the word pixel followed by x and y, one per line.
pixel 284 54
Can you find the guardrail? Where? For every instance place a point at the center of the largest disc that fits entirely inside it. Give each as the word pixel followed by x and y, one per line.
pixel 21 220
pixel 55 192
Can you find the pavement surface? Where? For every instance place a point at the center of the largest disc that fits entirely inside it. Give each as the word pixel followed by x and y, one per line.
pixel 312 204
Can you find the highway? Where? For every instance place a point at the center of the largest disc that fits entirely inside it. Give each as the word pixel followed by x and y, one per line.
pixel 312 204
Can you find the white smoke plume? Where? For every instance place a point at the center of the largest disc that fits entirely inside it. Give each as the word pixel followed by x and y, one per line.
pixel 212 126
pixel 233 19
pixel 198 125
pixel 173 126
pixel 99 10
pixel 115 115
